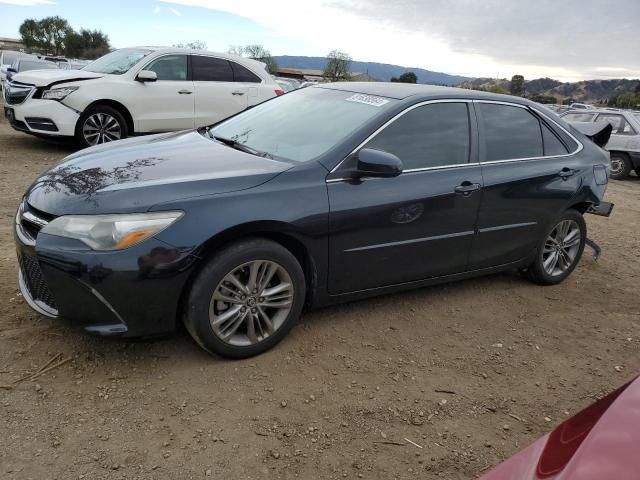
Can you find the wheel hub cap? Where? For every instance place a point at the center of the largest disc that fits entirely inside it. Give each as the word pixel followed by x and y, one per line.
pixel 101 128
pixel 561 248
pixel 251 303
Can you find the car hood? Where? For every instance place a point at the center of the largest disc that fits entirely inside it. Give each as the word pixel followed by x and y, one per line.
pixel 133 175
pixel 42 78
pixel 599 442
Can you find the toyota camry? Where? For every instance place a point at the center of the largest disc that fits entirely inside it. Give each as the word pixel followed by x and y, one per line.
pixel 327 194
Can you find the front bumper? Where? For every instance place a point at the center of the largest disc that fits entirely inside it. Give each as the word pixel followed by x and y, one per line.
pixel 132 293
pixel 43 117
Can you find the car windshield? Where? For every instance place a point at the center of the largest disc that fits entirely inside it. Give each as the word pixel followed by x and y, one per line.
pixel 117 62
pixel 303 124
pixel 23 66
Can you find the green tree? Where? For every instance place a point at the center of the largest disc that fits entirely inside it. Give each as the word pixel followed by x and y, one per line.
pixel 496 89
pixel 337 68
pixel 197 45
pixel 406 77
pixel 54 35
pixel 516 87
pixel 89 44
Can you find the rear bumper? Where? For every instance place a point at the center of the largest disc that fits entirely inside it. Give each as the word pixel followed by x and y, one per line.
pixel 130 293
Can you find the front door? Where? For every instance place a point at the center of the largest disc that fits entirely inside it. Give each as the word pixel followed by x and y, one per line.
pixel 385 231
pixel 217 95
pixel 168 103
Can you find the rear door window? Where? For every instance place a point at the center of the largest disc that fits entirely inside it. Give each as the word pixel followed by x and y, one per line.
pixel 508 133
pixel 242 74
pixel 211 69
pixel 552 144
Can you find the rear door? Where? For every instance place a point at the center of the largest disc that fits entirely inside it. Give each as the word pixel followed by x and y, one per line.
pixel 217 95
pixel 529 176
pixel 166 104
pixel 385 231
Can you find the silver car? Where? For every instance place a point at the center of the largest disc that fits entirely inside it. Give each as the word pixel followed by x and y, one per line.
pixel 624 144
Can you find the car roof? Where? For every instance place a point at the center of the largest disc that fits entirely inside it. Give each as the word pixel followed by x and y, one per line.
pixel 402 91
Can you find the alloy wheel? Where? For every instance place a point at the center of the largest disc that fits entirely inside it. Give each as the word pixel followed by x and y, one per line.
pixel 617 165
pixel 251 303
pixel 101 128
pixel 561 248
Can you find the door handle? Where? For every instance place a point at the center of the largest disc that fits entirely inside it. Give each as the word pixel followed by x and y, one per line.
pixel 466 188
pixel 565 173
pixel 185 92
pixel 237 93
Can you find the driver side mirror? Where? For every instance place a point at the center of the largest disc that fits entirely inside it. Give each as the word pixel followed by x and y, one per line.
pixel 146 76
pixel 376 163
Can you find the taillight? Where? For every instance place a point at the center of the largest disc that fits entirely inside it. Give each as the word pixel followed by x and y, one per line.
pixel 279 92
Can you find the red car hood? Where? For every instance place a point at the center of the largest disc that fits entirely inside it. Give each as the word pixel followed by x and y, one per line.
pixel 601 442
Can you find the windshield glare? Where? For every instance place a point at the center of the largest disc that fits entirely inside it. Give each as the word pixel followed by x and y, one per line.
pixel 303 124
pixel 118 62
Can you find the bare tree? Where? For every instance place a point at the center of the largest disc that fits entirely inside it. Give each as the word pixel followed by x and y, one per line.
pixel 197 45
pixel 255 52
pixel 337 67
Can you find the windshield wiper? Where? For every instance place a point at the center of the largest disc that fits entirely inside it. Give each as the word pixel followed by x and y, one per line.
pixel 240 146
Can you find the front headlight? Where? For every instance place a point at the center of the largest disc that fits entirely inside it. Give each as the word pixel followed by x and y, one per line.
pixel 111 232
pixel 58 93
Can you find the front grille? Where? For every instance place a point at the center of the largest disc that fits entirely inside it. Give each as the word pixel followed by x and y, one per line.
pixel 35 282
pixel 16 93
pixel 33 220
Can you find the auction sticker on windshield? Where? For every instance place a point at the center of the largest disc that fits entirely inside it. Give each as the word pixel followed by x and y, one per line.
pixel 367 99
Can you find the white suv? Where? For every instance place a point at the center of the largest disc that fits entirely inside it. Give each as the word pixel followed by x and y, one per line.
pixel 136 90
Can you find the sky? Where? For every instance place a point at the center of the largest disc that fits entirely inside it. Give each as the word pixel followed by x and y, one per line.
pixel 569 40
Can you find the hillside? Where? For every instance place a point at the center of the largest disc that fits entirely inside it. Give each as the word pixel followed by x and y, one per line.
pixel 380 71
pixel 588 91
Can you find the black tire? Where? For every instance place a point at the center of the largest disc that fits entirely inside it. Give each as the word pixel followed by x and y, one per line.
pixel 123 129
pixel 620 166
pixel 197 315
pixel 536 271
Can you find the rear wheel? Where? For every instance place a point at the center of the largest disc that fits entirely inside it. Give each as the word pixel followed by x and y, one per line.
pixel 620 166
pixel 245 299
pixel 560 251
pixel 100 124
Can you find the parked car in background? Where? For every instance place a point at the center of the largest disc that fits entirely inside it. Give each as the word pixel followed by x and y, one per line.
pixel 73 64
pixel 580 106
pixel 624 144
pixel 7 57
pixel 286 84
pixel 136 90
pixel 25 64
pixel 326 194
pixel 598 442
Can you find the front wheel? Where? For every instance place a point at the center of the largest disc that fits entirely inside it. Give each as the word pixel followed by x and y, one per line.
pixel 245 299
pixel 100 124
pixel 560 250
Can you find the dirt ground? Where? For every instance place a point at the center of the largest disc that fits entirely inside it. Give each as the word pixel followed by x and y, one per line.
pixel 471 372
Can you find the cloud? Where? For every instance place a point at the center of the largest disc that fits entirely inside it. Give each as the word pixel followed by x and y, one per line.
pixel 567 39
pixel 178 28
pixel 175 12
pixel 28 3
